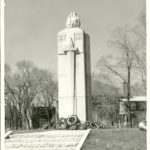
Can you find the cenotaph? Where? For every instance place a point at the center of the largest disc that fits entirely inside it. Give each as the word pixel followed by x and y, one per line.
pixel 74 71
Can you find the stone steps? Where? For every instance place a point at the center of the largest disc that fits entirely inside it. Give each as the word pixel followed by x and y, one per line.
pixel 41 149
pixel 51 148
pixel 49 140
pixel 29 140
pixel 41 144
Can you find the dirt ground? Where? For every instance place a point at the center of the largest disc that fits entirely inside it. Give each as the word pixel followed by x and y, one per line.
pixel 116 139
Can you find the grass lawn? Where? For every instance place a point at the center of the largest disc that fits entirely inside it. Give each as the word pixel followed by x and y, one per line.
pixel 115 139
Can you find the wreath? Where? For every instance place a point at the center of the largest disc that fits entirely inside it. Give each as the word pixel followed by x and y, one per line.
pixel 73 119
pixel 62 123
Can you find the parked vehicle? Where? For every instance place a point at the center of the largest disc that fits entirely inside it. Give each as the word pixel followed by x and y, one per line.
pixel 143 125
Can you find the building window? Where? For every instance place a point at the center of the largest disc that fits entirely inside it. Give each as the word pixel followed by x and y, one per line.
pixel 42 111
pixel 141 106
pixel 35 111
pixel 133 106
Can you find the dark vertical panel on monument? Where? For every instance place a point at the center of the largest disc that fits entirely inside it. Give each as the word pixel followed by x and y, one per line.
pixel 88 76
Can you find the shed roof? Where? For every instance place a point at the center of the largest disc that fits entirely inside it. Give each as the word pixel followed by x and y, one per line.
pixel 136 98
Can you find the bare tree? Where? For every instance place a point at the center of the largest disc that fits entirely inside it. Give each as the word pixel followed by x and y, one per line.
pixel 102 83
pixel 23 88
pixel 140 53
pixel 10 107
pixel 48 92
pixel 122 41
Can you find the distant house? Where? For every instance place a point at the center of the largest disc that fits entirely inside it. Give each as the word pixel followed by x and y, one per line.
pixel 138 109
pixel 42 113
pixel 40 116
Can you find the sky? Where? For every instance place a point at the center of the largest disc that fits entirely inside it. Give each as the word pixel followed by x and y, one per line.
pixel 31 27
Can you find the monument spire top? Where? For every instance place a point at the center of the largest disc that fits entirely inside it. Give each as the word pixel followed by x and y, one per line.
pixel 73 20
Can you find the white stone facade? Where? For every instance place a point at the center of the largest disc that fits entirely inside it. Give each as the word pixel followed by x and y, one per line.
pixel 74 73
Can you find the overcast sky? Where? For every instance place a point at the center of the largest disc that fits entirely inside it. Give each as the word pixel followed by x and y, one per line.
pixel 32 27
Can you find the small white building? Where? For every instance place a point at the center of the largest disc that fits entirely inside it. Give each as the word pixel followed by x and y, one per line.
pixel 138 109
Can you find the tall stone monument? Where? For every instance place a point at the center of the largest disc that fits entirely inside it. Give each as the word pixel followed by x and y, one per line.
pixel 74 71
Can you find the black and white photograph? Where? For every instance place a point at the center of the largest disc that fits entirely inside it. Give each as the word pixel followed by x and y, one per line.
pixel 75 75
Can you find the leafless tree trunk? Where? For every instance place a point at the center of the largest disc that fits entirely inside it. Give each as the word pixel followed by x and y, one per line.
pixel 129 95
pixel 122 42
